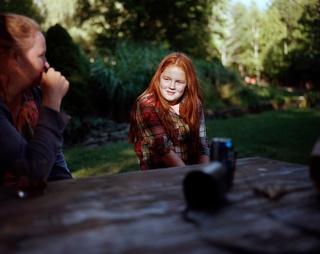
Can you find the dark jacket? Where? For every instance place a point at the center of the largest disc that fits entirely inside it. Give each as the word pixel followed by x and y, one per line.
pixel 46 143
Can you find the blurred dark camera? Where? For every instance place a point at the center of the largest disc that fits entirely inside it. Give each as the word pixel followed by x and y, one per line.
pixel 206 187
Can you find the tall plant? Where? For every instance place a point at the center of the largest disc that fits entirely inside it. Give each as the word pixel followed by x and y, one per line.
pixel 65 56
pixel 120 77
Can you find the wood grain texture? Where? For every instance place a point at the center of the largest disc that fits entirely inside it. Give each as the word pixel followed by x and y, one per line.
pixel 144 212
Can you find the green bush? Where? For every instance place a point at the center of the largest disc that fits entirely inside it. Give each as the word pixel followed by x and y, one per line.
pixel 214 73
pixel 122 76
pixel 313 98
pixel 248 97
pixel 65 56
pixel 28 8
pixel 218 83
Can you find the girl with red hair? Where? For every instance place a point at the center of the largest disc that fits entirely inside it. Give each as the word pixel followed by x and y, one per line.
pixel 167 124
pixel 31 93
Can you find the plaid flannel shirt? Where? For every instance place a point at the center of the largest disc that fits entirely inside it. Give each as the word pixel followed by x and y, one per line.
pixel 152 142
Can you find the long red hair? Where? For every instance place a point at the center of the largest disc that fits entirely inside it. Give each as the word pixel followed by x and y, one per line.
pixel 189 109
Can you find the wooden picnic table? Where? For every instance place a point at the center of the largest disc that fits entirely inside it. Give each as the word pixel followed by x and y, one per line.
pixel 273 207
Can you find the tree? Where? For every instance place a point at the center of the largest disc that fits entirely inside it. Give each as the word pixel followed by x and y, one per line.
pixel 182 25
pixel 57 12
pixel 305 58
pixel 290 13
pixel 288 41
pixel 24 7
pixel 273 33
pixel 220 24
pixel 235 49
pixel 65 56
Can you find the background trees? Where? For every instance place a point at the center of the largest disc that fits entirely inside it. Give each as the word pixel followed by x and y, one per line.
pixel 26 7
pixel 305 57
pixel 180 25
pixel 109 49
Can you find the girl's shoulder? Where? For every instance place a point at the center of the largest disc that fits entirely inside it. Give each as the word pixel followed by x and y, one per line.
pixel 147 100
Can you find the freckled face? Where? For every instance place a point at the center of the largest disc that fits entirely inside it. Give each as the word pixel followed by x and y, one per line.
pixel 172 84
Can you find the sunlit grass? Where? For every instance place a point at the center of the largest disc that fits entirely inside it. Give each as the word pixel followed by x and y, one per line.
pixel 286 135
pixel 107 159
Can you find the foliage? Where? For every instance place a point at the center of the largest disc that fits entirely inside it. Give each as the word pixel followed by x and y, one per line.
pixel 305 58
pixel 279 135
pixel 24 7
pixel 214 73
pixel 57 12
pixel 234 101
pixel 65 56
pixel 293 59
pixel 279 45
pixel 248 97
pixel 122 76
pixel 183 25
pixel 268 93
pixel 82 129
pixel 215 80
pixel 313 98
pixel 277 96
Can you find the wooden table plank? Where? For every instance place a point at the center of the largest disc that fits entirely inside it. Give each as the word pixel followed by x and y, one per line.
pixel 142 212
pixel 253 223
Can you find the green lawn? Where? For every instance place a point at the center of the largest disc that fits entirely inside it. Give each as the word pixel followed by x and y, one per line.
pixel 286 135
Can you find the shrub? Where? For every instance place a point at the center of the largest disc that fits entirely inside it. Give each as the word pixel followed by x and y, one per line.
pixel 122 76
pixel 218 83
pixel 65 56
pixel 248 97
pixel 313 98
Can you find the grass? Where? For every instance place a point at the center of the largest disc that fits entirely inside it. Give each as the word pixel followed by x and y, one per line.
pixel 107 159
pixel 286 135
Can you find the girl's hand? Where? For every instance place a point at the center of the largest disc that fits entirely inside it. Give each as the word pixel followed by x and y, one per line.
pixel 54 87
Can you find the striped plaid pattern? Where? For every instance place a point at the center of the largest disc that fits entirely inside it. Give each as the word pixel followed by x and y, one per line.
pixel 28 116
pixel 152 142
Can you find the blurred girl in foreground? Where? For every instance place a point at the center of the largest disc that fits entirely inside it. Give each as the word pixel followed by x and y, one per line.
pixel 31 124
